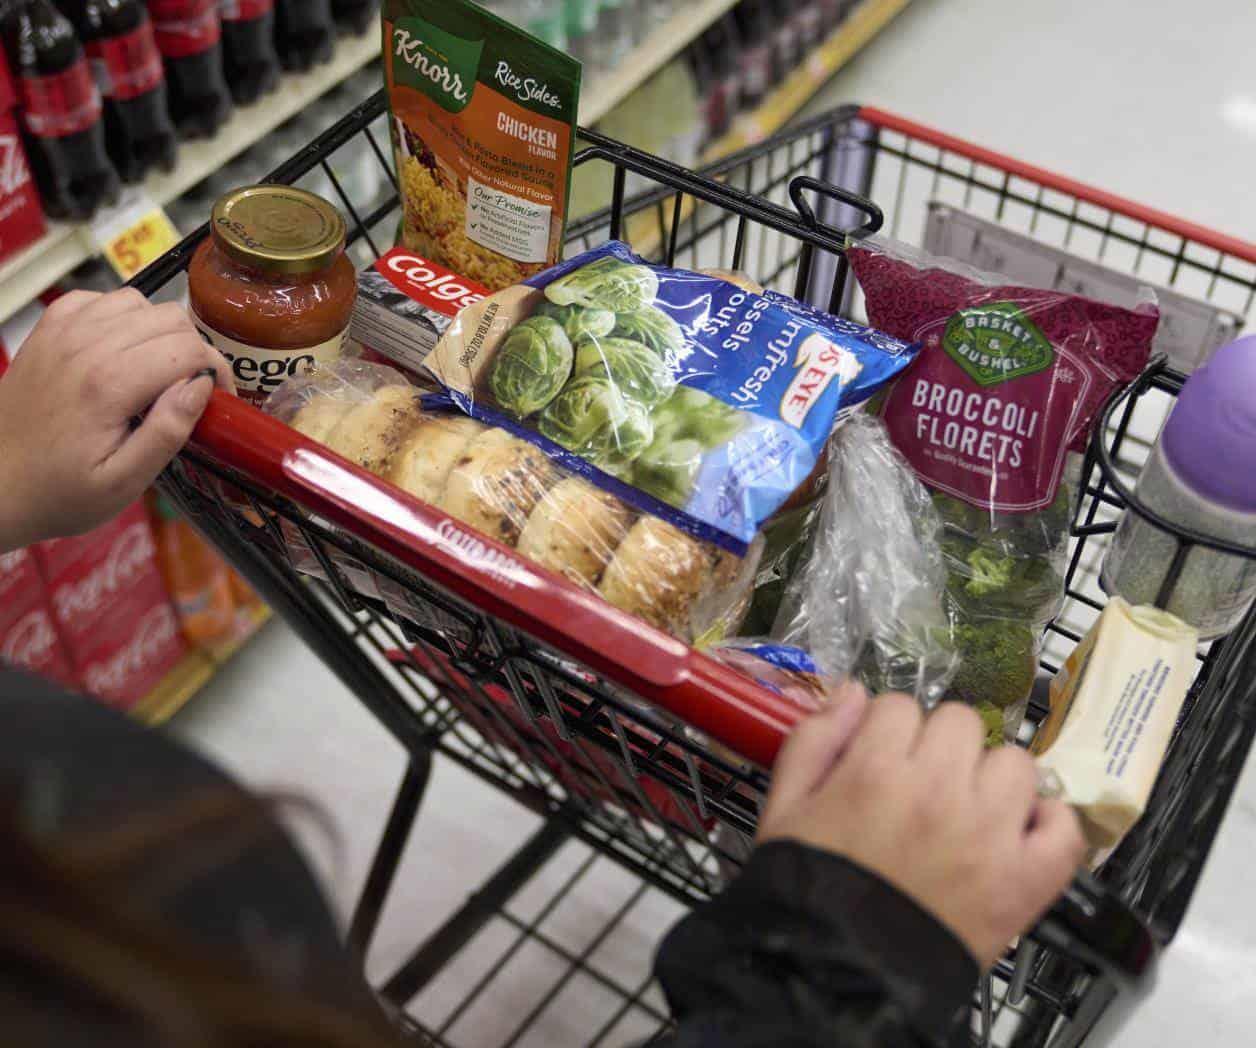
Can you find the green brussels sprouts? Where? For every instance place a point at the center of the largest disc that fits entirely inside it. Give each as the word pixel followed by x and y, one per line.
pixel 606 283
pixel 655 329
pixel 691 414
pixel 578 322
pixel 532 365
pixel 593 418
pixel 636 369
pixel 668 468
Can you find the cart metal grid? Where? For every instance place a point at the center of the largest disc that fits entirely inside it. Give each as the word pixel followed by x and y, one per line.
pixel 629 745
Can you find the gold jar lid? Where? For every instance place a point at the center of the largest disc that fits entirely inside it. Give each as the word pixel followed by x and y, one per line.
pixel 278 229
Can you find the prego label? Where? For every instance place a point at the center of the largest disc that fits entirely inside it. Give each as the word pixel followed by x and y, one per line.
pixel 260 371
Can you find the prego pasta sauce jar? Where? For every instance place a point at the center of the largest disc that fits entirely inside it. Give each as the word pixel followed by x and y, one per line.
pixel 271 287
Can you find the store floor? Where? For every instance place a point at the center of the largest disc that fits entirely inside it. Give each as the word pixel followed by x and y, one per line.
pixel 1134 98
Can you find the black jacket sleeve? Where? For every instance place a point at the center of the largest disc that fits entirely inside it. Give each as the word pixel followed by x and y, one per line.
pixel 807 948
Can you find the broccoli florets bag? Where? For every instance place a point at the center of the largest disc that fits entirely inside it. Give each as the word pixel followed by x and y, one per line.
pixel 991 418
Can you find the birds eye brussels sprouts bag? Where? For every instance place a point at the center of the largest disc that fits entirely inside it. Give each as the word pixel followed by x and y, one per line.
pixel 701 401
pixel 1008 382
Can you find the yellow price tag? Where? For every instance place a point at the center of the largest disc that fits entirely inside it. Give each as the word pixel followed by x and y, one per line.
pixel 143 241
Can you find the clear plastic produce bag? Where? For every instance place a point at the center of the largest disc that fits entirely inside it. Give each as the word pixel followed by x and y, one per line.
pixel 869 602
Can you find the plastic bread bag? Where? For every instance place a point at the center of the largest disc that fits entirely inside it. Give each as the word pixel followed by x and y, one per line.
pixel 507 489
pixel 702 402
pixel 870 602
pixel 788 671
pixel 360 410
pixel 992 417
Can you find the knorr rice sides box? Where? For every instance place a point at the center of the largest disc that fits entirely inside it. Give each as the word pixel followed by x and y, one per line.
pixel 483 124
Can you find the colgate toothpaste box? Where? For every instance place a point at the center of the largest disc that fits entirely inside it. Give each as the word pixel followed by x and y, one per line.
pixel 405 304
pixel 28 637
pixel 132 653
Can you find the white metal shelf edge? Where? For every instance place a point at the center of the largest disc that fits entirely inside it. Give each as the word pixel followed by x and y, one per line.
pixel 66 245
pixel 655 51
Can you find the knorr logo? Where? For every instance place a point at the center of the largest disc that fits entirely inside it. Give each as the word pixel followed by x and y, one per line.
pixel 996 343
pixel 439 64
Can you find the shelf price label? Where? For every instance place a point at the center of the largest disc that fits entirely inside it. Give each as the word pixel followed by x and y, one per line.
pixel 133 233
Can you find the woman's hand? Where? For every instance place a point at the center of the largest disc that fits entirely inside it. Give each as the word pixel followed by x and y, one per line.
pixel 69 457
pixel 919 801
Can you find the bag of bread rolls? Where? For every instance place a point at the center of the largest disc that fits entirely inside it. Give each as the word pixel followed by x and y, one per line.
pixel 363 412
pixel 508 489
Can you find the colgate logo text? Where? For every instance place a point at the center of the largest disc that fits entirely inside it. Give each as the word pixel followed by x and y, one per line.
pixel 426 279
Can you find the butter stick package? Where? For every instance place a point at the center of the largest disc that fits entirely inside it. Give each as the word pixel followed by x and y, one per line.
pixel 1113 707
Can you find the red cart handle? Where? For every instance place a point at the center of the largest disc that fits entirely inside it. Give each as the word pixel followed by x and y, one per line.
pixel 716 700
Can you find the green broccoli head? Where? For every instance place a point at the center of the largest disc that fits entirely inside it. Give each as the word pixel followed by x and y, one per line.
pixel 998 661
pixel 991 570
pixel 992 718
pixel 991 578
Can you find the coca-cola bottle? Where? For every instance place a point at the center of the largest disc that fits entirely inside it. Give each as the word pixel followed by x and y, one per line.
pixel 248 48
pixel 754 27
pixel 122 52
pixel 189 37
pixel 304 33
pixel 355 16
pixel 61 111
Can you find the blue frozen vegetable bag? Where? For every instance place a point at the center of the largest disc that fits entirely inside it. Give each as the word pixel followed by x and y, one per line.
pixel 699 400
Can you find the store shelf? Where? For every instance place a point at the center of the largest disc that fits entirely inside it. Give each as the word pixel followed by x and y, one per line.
pixel 197 669
pixel 604 93
pixel 847 40
pixel 644 230
pixel 67 245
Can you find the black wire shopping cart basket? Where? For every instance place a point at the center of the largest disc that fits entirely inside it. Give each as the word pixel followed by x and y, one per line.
pixel 621 737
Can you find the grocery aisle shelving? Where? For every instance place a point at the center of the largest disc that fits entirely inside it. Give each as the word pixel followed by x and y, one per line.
pixel 600 95
pixel 67 245
pixel 787 100
pixel 862 24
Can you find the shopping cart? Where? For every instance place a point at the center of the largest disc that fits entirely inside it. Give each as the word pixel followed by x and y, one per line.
pixel 623 738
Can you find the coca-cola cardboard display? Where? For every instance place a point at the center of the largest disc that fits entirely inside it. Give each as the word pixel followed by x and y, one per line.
pixel 20 582
pixel 92 577
pixel 21 220
pixel 111 607
pixel 132 653
pixel 28 638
